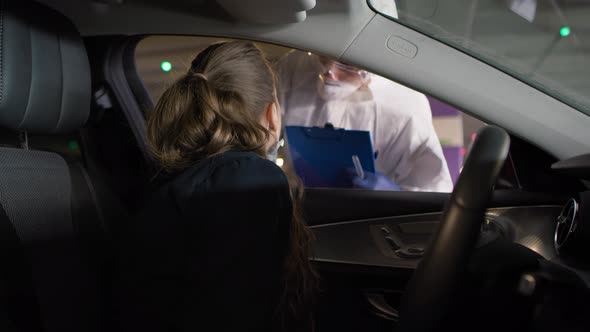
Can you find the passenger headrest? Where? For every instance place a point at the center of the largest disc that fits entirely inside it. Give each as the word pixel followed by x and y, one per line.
pixel 44 70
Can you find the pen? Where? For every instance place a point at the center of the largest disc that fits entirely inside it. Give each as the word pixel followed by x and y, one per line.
pixel 358 167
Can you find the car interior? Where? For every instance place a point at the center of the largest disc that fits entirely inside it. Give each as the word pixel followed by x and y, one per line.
pixel 507 249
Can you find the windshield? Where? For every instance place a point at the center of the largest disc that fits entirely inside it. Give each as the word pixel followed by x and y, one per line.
pixel 544 43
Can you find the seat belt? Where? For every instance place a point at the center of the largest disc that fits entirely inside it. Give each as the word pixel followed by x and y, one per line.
pixel 90 228
pixel 105 214
pixel 18 298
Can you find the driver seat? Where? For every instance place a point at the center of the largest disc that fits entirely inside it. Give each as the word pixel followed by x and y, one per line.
pixel 52 236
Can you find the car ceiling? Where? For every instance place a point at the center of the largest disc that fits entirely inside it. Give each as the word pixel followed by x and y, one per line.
pixel 344 19
pixel 350 30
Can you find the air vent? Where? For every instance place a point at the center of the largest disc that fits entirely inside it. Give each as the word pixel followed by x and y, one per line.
pixel 566 224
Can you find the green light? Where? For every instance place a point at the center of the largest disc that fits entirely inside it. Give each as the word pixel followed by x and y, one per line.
pixel 73 145
pixel 565 31
pixel 166 66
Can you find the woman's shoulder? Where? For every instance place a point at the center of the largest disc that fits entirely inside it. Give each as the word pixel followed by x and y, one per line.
pixel 244 169
pixel 230 171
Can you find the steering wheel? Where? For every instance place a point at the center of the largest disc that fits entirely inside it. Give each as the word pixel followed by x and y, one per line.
pixel 430 291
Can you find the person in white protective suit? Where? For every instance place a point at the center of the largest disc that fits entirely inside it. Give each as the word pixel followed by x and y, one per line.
pixel 315 90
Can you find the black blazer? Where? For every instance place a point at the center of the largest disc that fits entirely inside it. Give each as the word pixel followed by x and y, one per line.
pixel 206 251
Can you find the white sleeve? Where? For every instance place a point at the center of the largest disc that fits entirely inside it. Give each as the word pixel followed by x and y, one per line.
pixel 414 151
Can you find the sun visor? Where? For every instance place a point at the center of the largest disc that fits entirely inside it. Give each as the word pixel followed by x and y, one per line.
pixel 268 11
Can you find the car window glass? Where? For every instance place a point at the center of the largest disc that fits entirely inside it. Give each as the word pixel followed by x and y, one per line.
pixel 542 43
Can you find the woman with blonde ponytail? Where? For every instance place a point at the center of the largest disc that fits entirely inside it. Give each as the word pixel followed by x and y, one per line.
pixel 220 245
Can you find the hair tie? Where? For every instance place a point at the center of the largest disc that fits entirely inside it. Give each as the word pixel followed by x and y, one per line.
pixel 201 75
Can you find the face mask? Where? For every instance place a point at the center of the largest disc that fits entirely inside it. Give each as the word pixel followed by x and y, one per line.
pixel 273 153
pixel 334 90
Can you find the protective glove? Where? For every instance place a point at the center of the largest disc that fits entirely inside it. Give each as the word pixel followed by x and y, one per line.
pixel 373 181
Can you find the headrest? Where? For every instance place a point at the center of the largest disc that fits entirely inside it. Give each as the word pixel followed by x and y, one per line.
pixel 44 70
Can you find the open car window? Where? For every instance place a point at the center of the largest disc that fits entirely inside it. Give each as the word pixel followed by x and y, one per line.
pixel 404 140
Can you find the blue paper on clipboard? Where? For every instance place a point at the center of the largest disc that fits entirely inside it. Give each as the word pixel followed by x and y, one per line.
pixel 322 156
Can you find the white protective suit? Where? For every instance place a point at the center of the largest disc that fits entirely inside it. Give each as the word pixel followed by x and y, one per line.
pixel 398 118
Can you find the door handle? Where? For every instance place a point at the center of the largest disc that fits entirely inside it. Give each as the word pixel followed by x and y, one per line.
pixel 381 308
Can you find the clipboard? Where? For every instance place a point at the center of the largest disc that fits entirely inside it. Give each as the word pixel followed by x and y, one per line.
pixel 323 157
